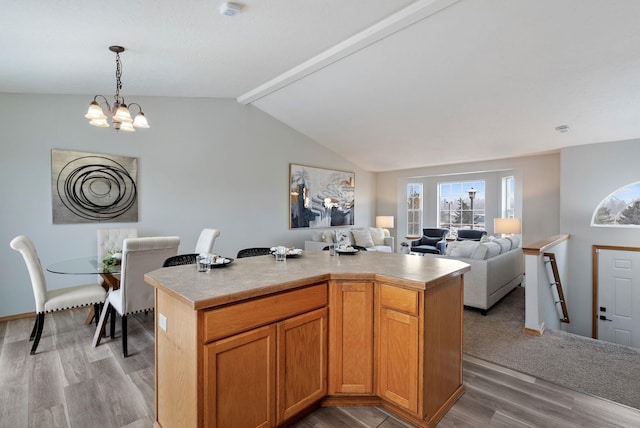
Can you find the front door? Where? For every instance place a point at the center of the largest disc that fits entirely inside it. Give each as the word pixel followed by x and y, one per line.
pixel 618 306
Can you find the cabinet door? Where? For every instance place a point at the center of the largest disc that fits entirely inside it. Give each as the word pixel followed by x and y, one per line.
pixel 239 380
pixel 351 338
pixel 398 358
pixel 302 362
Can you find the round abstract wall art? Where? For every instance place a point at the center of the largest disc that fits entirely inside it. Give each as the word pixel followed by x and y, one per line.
pixel 89 187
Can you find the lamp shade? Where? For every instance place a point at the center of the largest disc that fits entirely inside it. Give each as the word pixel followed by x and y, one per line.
pixel 95 112
pixel 385 221
pixel 102 123
pixel 507 225
pixel 140 121
pixel 126 126
pixel 122 114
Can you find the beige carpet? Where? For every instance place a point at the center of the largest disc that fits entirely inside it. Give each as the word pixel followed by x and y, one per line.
pixel 580 363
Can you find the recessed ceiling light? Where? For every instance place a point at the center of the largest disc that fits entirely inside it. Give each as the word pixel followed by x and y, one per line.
pixel 230 9
pixel 562 128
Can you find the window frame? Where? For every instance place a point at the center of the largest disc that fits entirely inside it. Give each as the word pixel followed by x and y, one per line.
pixel 414 228
pixel 508 209
pixel 463 209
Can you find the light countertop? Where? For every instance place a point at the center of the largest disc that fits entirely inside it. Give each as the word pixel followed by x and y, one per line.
pixel 258 276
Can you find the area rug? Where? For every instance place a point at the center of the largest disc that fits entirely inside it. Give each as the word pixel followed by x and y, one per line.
pixel 590 366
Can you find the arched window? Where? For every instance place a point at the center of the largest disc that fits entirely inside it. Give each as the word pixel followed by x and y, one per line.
pixel 620 209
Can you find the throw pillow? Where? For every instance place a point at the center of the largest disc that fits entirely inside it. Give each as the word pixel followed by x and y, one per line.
pixel 362 237
pixel 455 252
pixel 450 247
pixel 493 249
pixel 515 241
pixel 377 235
pixel 328 237
pixel 466 249
pixel 425 240
pixel 504 243
pixel 479 253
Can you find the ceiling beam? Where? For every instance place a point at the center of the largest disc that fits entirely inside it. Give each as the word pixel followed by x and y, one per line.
pixel 408 16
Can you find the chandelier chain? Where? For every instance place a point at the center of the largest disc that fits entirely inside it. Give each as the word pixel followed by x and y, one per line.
pixel 119 100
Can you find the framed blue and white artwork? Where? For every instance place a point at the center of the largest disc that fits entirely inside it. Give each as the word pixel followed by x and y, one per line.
pixel 320 197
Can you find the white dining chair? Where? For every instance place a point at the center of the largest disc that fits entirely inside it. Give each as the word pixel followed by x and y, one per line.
pixel 112 239
pixel 206 240
pixel 53 300
pixel 139 256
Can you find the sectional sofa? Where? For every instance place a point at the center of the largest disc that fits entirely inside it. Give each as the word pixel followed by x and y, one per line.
pixel 497 267
pixel 370 238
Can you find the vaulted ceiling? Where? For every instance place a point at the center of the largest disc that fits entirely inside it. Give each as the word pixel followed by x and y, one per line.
pixel 388 84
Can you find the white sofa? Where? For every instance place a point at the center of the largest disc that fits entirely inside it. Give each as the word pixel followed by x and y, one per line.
pixel 371 238
pixel 497 267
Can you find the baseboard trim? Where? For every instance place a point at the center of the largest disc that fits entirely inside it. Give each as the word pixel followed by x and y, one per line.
pixel 18 316
pixel 533 331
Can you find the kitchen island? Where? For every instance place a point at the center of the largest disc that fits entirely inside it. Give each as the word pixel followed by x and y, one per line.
pixel 259 343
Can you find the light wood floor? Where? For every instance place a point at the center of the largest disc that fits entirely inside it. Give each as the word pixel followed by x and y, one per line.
pixel 71 384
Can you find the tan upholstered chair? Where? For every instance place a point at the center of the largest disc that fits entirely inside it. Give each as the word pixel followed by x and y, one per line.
pixel 139 256
pixel 206 240
pixel 53 300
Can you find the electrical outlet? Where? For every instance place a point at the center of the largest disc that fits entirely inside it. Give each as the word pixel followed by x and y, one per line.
pixel 162 322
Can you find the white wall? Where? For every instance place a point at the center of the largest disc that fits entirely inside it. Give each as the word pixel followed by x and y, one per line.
pixel 203 163
pixel 537 191
pixel 589 174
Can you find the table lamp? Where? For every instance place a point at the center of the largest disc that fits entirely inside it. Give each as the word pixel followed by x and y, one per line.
pixel 384 221
pixel 507 226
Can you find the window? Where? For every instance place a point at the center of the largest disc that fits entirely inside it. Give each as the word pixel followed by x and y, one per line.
pixel 414 209
pixel 508 197
pixel 461 205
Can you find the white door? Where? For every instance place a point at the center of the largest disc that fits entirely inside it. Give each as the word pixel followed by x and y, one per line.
pixel 618 309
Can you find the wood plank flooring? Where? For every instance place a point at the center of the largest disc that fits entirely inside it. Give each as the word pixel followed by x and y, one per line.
pixel 68 383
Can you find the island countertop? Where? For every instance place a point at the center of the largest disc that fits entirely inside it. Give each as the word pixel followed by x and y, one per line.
pixel 259 276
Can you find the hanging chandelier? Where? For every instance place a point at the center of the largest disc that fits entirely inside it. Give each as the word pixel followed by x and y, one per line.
pixel 120 114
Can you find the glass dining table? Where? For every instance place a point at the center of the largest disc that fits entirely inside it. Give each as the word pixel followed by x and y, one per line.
pixel 82 266
pixel 89 266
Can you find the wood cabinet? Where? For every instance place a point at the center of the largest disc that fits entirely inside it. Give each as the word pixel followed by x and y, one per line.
pixel 263 356
pixel 419 348
pixel 240 380
pixel 398 346
pixel 302 362
pixel 351 337
pixel 279 367
pixel 262 360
